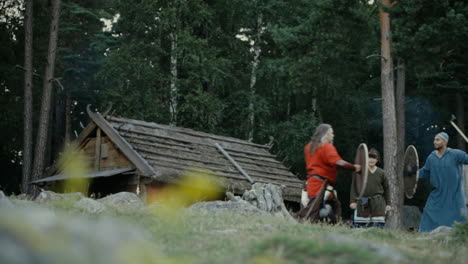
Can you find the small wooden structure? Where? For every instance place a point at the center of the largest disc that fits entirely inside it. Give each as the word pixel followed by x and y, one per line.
pixel 139 156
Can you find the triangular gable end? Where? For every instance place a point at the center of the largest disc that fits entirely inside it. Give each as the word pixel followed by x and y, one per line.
pixel 90 128
pixel 109 156
pixel 113 140
pixel 81 140
pixel 102 153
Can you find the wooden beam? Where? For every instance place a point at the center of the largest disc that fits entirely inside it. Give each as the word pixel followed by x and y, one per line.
pixel 143 192
pixel 141 164
pixel 90 128
pixel 97 156
pixel 238 167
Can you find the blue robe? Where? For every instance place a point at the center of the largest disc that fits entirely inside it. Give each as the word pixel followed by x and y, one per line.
pixel 446 203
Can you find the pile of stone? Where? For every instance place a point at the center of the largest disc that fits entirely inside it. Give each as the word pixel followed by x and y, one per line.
pixel 32 232
pixel 266 197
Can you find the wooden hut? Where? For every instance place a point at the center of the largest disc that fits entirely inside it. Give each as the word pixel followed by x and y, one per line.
pixel 138 156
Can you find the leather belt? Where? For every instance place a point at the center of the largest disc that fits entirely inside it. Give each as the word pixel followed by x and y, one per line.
pixel 317 177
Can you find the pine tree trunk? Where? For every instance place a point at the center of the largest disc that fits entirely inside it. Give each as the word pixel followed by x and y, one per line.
pixel 68 105
pixel 48 150
pixel 58 125
pixel 401 119
pixel 461 120
pixel 28 97
pixel 253 76
pixel 44 118
pixel 389 117
pixel 173 86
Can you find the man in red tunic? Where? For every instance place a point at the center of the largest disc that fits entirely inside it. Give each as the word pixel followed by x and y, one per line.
pixel 322 160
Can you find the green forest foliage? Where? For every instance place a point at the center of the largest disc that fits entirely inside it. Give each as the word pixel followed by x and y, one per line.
pixel 318 63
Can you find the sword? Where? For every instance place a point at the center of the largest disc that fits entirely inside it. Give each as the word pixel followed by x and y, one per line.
pixel 458 129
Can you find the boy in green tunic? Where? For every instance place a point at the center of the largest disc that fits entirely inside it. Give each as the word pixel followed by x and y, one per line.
pixel 370 209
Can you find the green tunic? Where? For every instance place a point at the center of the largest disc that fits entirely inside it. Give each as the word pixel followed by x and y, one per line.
pixel 377 193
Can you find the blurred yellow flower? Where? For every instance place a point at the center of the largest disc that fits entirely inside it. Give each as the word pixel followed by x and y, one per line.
pixel 193 187
pixel 74 165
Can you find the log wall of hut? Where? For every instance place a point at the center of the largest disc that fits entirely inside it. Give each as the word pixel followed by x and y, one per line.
pixel 103 155
pixel 108 155
pixel 111 157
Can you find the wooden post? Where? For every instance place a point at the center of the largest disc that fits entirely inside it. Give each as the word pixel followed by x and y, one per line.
pixel 461 119
pixel 460 132
pixel 238 167
pixel 143 193
pixel 97 157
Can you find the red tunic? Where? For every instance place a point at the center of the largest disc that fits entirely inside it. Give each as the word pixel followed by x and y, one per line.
pixel 322 163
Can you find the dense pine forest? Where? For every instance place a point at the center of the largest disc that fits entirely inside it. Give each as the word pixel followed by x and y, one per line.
pixel 260 70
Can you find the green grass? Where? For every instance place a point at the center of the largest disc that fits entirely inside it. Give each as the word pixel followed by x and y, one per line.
pixel 201 237
pixel 461 232
pixel 229 238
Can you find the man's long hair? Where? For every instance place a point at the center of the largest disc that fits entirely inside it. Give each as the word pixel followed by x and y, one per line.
pixel 319 136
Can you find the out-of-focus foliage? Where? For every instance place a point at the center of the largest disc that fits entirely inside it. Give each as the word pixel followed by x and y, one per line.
pixel 74 164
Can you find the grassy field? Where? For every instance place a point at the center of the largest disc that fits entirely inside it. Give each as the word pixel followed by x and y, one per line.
pixel 197 236
pixel 200 237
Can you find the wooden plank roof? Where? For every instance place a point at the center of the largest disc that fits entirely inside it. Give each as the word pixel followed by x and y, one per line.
pixel 96 174
pixel 173 150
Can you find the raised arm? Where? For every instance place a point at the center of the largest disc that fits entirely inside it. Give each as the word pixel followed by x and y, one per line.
pixel 346 165
pixel 462 157
pixel 425 171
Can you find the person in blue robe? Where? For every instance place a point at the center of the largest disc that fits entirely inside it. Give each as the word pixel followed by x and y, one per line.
pixel 446 202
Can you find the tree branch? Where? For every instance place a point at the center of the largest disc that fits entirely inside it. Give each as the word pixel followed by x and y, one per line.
pixel 59 83
pixel 377 55
pixel 21 67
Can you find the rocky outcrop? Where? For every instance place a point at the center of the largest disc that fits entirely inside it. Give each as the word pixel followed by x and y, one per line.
pixel 89 206
pixel 49 196
pixel 4 201
pixel 39 235
pixel 240 208
pixel 442 231
pixel 266 197
pixel 123 202
pixel 382 250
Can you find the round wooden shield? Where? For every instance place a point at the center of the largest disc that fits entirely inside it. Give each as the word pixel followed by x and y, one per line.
pixel 360 178
pixel 410 171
